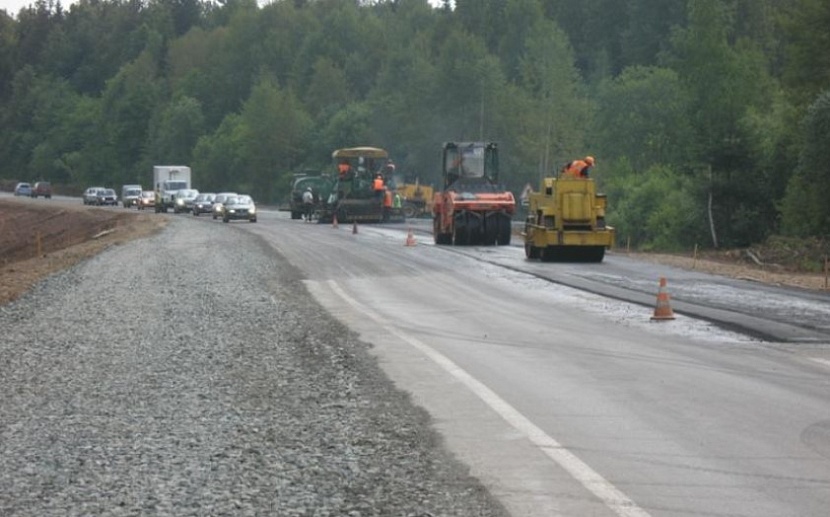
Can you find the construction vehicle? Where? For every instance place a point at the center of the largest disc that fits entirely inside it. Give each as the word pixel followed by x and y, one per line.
pixel 566 222
pixel 322 185
pixel 354 198
pixel 472 208
pixel 416 199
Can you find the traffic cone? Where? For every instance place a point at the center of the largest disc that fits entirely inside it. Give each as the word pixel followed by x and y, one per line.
pixel 663 309
pixel 410 239
pixel 334 222
pixel 354 228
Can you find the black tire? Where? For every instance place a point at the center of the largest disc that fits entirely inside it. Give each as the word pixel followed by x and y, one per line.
pixel 225 220
pixel 410 211
pixel 531 251
pixel 505 231
pixel 491 232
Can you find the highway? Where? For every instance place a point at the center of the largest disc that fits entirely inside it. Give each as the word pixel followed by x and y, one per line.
pixel 554 386
pixel 552 383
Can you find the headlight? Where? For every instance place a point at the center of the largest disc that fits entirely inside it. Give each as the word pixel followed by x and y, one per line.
pixel 252 210
pixel 180 201
pixel 231 210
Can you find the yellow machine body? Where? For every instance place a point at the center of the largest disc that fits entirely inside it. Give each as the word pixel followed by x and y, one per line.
pixel 566 222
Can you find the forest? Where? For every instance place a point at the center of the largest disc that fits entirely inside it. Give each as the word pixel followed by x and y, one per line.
pixel 709 119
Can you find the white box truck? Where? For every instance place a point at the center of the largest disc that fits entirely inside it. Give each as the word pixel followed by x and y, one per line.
pixel 167 179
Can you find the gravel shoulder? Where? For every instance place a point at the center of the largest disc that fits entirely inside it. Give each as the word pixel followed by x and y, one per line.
pixel 190 373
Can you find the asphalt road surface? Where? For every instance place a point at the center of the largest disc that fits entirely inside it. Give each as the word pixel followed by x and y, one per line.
pixel 568 403
pixel 549 382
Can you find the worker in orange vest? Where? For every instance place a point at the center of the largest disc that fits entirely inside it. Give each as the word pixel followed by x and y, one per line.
pixel 578 168
pixel 378 186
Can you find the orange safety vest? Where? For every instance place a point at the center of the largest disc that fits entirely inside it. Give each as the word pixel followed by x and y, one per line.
pixel 577 169
pixel 387 199
pixel 343 168
pixel 378 184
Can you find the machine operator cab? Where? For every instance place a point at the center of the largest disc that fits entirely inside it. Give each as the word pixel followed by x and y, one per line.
pixel 356 169
pixel 470 163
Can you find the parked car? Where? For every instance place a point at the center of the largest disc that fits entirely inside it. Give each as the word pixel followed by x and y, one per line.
pixel 147 199
pixel 203 204
pixel 219 203
pixel 23 189
pixel 106 197
pixel 184 200
pixel 90 196
pixel 130 195
pixel 239 207
pixel 42 188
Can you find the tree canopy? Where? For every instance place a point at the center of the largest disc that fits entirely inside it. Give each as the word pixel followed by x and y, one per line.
pixel 708 118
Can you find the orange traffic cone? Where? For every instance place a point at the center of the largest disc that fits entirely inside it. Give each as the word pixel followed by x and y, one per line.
pixel 663 310
pixel 354 228
pixel 334 222
pixel 410 239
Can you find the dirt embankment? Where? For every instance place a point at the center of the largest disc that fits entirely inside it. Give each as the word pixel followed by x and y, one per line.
pixel 743 265
pixel 40 237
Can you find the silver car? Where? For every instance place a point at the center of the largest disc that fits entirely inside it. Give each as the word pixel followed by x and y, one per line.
pixel 184 199
pixel 90 196
pixel 239 207
pixel 219 203
pixel 106 197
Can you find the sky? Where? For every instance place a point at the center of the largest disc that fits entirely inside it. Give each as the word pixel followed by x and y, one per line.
pixel 13 6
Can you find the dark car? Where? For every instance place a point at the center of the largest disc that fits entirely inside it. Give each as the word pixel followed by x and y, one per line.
pixel 203 204
pixel 90 196
pixel 239 207
pixel 106 197
pixel 42 188
pixel 23 189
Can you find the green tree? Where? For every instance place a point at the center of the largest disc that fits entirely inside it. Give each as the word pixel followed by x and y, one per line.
pixel 8 51
pixel 807 70
pixel 806 210
pixel 650 23
pixel 275 132
pixel 724 82
pixel 655 208
pixel 522 16
pixel 174 136
pixel 128 104
pixel 218 156
pixel 555 114
pixel 643 115
pixel 329 88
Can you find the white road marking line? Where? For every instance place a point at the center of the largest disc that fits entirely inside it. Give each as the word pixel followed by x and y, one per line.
pixel 610 495
pixel 825 362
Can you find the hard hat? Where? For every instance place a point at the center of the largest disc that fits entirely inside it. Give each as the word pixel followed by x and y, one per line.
pixel 589 160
